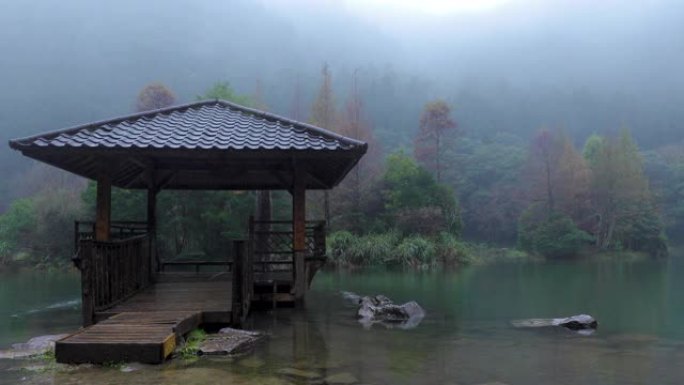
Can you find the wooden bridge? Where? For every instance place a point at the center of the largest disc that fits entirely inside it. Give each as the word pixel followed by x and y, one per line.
pixel 134 308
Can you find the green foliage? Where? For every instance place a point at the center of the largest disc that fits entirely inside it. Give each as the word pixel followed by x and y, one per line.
pixel 408 188
pixel 17 226
pixel 38 229
pixel 554 236
pixel 192 344
pixel 486 175
pixel 416 251
pixel 224 91
pixel 452 251
pixel 188 220
pixel 592 148
pixel 338 244
pixel 391 249
pixel 622 198
pixel 370 249
pixel 127 205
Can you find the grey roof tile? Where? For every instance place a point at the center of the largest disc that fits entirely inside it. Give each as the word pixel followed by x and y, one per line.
pixel 206 125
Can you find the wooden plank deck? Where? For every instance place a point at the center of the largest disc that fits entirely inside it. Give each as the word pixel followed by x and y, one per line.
pixel 147 327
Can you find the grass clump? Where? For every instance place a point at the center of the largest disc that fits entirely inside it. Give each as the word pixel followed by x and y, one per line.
pixel 412 251
pixel 192 344
pixel 416 251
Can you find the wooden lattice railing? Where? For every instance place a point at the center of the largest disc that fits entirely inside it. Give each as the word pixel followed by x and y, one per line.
pixel 272 244
pixel 112 271
pixel 118 230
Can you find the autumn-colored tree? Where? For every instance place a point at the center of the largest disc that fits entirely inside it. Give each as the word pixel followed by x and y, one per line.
pixel 154 96
pixel 572 185
pixel 544 156
pixel 296 112
pixel 323 115
pixel 258 96
pixel 323 111
pixel 351 191
pixel 435 123
pixel 558 176
pixel 556 219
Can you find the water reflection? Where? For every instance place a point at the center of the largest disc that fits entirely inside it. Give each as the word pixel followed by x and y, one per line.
pixel 465 337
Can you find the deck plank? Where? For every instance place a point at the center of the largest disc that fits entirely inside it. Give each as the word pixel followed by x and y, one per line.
pixel 146 327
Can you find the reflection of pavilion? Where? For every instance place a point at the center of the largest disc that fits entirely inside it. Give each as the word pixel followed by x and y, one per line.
pixel 208 145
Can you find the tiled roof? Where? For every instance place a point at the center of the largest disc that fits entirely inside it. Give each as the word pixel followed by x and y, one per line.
pixel 205 125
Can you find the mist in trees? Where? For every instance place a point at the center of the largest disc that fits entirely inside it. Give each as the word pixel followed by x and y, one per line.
pixel 494 106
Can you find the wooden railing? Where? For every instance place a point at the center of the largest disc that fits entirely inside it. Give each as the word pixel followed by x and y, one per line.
pixel 118 230
pixel 272 244
pixel 112 271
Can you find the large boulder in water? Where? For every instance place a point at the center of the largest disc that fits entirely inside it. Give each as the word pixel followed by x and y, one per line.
pixel 380 309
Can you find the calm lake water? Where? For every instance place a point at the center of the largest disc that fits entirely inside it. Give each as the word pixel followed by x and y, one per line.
pixel 466 337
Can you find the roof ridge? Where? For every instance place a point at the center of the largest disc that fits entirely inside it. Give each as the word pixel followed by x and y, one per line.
pixel 16 143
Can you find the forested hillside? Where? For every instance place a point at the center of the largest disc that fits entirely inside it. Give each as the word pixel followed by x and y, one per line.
pixel 516 133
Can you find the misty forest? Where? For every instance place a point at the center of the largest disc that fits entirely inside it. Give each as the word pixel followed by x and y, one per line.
pixel 525 158
pixel 522 132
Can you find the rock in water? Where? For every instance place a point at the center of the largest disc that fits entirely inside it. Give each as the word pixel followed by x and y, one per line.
pixel 341 379
pixel 34 347
pixel 380 309
pixel 299 373
pixel 576 322
pixel 229 341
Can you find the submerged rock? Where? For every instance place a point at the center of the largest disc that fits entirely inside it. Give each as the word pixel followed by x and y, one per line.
pixel 299 373
pixel 229 341
pixel 341 379
pixel 380 309
pixel 576 322
pixel 252 363
pixel 34 347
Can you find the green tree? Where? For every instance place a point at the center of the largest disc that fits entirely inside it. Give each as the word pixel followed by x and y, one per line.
pixel 553 236
pixel 224 91
pixel 486 175
pixel 622 200
pixel 415 200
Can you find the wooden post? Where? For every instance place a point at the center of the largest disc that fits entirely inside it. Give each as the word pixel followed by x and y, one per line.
pixel 152 230
pixel 299 233
pixel 87 294
pixel 243 282
pixel 103 207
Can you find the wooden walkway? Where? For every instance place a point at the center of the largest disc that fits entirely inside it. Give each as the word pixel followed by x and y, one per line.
pixel 147 327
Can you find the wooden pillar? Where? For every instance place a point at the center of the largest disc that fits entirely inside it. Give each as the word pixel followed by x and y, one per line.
pixel 299 233
pixel 103 207
pixel 87 283
pixel 152 228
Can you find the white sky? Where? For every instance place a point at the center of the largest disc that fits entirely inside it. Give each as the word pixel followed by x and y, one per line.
pixel 430 7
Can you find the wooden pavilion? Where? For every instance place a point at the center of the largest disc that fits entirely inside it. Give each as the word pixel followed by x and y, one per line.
pixel 137 312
